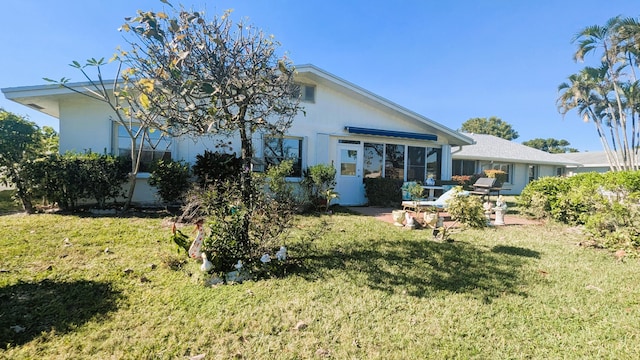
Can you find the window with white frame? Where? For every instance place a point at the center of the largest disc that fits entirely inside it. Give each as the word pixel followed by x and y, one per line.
pixel 279 149
pixel 304 92
pixel 155 145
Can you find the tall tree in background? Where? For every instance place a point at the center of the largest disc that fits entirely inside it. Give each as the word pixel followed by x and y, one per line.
pixel 550 145
pixel 491 126
pixel 21 140
pixel 608 94
pixel 211 77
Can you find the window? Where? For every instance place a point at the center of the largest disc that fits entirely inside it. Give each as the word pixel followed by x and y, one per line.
pixel 463 167
pixel 373 156
pixel 417 164
pixel 394 161
pixel 498 166
pixel 421 162
pixel 560 171
pixel 306 93
pixel 277 150
pixel 348 162
pixel 156 146
pixel 434 162
pixel 533 172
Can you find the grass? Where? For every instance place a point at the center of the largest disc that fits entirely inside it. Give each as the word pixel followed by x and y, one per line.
pixel 358 288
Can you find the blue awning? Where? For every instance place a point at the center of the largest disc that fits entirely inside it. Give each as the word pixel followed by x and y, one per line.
pixel 399 134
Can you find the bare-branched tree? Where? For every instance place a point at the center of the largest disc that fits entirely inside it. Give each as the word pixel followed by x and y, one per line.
pixel 210 76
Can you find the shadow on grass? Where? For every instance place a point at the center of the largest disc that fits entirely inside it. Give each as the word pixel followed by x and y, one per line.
pixel 517 251
pixel 421 267
pixel 28 309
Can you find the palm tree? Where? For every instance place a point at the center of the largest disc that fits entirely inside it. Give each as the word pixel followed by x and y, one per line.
pixel 579 94
pixel 608 94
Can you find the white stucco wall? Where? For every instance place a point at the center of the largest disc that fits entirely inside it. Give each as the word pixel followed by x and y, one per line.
pixel 86 124
pixel 521 177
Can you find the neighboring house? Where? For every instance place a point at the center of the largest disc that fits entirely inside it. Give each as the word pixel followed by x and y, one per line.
pixel 595 161
pixel 360 133
pixel 521 163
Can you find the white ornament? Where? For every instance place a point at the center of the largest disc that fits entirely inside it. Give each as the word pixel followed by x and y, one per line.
pixel 265 258
pixel 206 264
pixel 282 254
pixel 238 266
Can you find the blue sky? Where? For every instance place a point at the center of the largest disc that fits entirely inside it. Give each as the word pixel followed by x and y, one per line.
pixel 447 60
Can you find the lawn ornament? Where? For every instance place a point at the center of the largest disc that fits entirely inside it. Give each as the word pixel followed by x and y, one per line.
pixel 194 249
pixel 206 264
pixel 281 254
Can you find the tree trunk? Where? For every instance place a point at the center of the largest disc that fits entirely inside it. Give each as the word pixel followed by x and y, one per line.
pixel 246 185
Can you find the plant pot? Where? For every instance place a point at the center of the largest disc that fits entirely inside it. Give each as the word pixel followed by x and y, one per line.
pixel 398 217
pixel 430 219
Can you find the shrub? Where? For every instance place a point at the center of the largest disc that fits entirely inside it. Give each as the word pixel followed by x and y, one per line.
pixel 67 179
pixel 539 196
pixel 213 166
pixel 106 175
pixel 467 210
pixel 221 204
pixel 607 204
pixel 616 224
pixel 317 180
pixel 383 191
pixel 171 178
pixel 500 175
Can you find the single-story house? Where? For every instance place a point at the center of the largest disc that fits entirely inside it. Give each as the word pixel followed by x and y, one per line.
pixel 360 133
pixel 521 163
pixel 592 161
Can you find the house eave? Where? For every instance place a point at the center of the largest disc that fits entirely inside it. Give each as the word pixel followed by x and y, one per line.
pixel 43 98
pixel 454 137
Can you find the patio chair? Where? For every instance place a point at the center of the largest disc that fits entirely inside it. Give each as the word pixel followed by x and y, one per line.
pixel 438 204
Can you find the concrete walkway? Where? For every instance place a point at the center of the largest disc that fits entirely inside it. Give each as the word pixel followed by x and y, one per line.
pixel 384 214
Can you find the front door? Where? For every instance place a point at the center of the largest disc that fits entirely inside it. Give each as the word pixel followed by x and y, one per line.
pixel 349 175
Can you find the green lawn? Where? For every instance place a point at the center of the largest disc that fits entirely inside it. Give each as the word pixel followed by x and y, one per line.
pixel 361 289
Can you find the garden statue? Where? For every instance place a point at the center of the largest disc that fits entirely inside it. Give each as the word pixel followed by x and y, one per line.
pixel 488 208
pixel 500 209
pixel 410 222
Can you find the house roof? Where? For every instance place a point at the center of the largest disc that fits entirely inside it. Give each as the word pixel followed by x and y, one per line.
pixel 45 98
pixel 591 159
pixel 319 75
pixel 493 148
